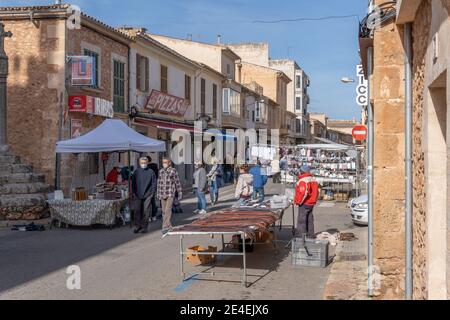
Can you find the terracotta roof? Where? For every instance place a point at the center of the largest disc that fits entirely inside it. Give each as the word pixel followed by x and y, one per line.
pixel 28 8
pixel 341 123
pixel 135 33
pixel 269 69
pixel 59 8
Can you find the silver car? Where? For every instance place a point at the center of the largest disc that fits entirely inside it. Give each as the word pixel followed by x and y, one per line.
pixel 360 210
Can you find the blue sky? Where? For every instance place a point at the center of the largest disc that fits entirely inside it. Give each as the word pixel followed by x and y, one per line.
pixel 326 50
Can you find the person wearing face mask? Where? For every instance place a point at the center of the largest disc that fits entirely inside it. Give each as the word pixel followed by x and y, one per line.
pixel 155 169
pixel 169 187
pixel 143 187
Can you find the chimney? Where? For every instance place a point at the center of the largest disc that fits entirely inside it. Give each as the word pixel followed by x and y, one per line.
pixel 219 39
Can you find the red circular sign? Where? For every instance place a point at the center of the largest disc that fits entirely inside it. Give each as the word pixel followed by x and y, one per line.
pixel 359 132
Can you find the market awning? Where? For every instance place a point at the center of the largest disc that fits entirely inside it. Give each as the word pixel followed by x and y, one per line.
pixel 220 135
pixel 167 125
pixel 326 146
pixel 111 135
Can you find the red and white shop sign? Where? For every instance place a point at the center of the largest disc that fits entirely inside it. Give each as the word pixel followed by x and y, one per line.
pixel 75 128
pixel 91 105
pixel 167 104
pixel 84 104
pixel 359 133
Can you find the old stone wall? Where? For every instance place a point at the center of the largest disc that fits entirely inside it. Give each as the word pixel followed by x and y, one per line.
pixel 35 80
pixel 420 34
pixel 389 190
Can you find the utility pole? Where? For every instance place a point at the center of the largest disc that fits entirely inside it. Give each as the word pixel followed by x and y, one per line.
pixel 3 83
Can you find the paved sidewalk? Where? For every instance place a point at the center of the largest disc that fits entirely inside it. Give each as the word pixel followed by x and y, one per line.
pixel 348 276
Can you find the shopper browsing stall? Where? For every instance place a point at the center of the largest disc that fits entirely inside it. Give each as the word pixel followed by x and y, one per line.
pixel 244 187
pixel 306 195
pixel 259 181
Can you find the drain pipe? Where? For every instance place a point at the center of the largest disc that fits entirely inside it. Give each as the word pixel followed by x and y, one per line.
pixel 408 164
pixel 370 149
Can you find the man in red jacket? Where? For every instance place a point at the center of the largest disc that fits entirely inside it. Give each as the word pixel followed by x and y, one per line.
pixel 306 195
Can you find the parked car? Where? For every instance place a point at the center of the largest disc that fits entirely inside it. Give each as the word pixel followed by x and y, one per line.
pixel 360 210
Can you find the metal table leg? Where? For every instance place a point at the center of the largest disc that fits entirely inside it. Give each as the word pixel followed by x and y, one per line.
pixel 223 243
pixel 244 258
pixel 182 257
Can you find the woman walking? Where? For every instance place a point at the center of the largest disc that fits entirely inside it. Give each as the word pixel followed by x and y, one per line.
pixel 200 183
pixel 213 178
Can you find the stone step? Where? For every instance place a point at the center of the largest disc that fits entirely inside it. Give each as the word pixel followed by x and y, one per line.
pixel 21 178
pixel 24 188
pixel 4 150
pixel 14 168
pixel 22 200
pixel 5 159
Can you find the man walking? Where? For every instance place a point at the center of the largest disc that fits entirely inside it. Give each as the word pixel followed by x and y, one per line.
pixel 155 169
pixel 144 187
pixel 259 181
pixel 306 195
pixel 169 186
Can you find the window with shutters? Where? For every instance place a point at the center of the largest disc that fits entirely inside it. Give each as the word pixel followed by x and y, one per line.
pixel 258 111
pixel 142 73
pixel 164 80
pixel 203 96
pixel 119 86
pixel 187 87
pixel 214 101
pixel 298 82
pixel 298 103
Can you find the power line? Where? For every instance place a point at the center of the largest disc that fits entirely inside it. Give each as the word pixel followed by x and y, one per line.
pixel 307 19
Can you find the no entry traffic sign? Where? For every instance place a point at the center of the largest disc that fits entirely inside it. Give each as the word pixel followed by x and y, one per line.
pixel 359 132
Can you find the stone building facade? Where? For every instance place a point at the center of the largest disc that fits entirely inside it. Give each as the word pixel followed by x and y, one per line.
pixel 430 27
pixel 275 84
pixel 430 23
pixel 39 85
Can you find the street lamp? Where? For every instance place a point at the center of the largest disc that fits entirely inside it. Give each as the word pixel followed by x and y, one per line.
pixel 347 80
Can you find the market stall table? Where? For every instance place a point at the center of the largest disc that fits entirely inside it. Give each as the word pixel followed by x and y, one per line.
pixel 244 221
pixel 86 213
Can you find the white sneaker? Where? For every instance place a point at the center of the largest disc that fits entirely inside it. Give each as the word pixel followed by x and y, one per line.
pixel 196 211
pixel 202 212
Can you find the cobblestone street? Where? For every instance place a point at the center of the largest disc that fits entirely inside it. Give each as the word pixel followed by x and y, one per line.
pixel 117 264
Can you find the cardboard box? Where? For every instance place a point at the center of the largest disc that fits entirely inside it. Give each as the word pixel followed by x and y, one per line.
pixel 198 259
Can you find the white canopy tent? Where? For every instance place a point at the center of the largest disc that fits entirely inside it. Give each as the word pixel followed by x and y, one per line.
pixel 111 136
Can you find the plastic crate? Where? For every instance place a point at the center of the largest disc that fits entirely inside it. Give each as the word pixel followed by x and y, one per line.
pixel 310 253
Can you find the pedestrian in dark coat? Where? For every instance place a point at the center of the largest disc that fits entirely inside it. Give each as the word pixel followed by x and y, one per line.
pixel 144 188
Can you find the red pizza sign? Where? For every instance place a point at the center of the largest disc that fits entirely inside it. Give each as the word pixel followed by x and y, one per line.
pixel 167 104
pixel 359 133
